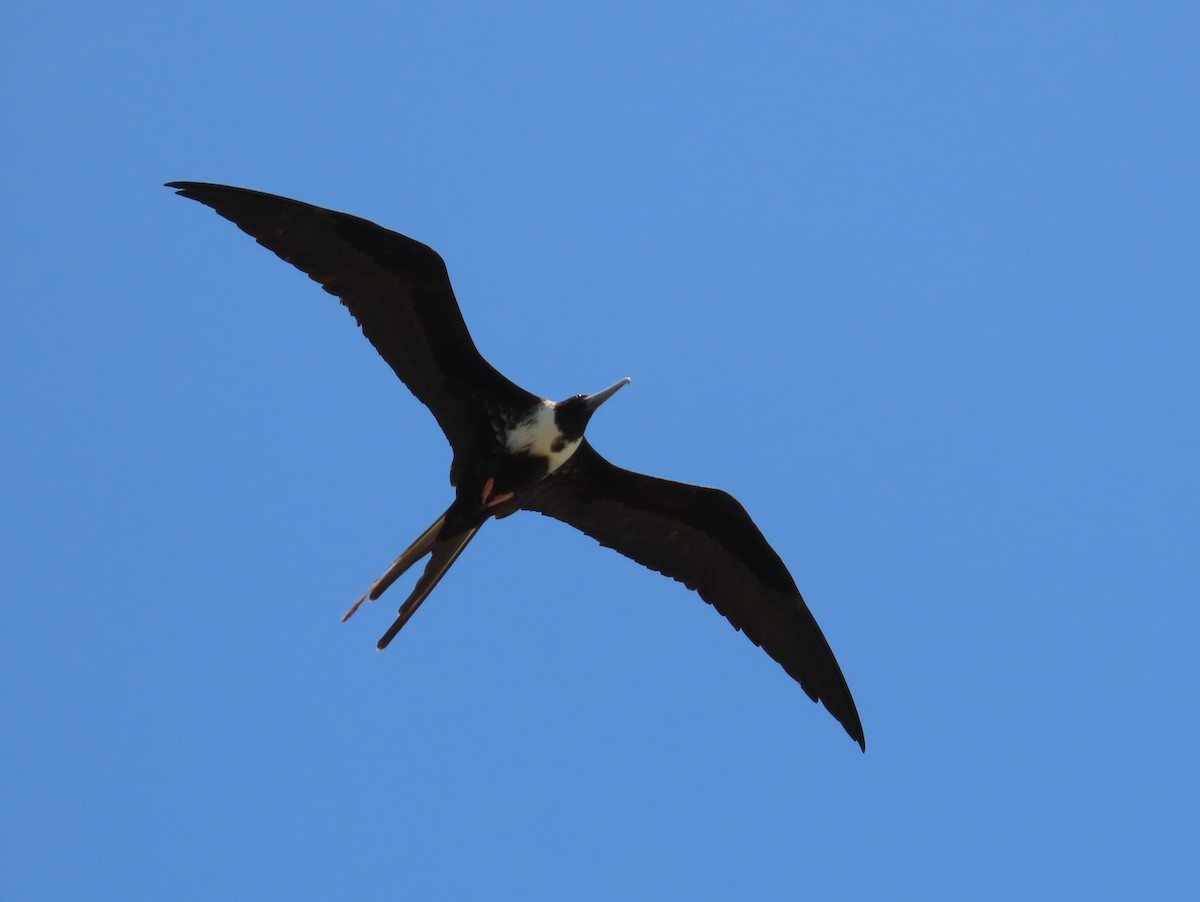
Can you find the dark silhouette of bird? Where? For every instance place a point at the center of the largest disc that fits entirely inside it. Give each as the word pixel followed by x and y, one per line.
pixel 513 450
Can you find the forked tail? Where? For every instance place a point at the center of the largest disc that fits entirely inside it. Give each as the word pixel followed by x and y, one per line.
pixel 418 549
pixel 445 552
pixel 444 549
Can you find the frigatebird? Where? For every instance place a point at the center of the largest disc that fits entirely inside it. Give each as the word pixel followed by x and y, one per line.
pixel 514 450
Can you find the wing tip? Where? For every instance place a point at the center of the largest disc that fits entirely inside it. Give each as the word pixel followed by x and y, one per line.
pixel 207 192
pixel 850 723
pixel 190 190
pixel 853 728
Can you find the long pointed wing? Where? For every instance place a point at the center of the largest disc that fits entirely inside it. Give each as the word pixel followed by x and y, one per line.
pixel 703 538
pixel 397 289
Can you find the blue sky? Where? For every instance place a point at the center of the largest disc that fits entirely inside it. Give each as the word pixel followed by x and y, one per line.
pixel 917 282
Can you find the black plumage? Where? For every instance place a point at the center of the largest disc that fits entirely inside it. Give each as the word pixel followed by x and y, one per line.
pixel 513 450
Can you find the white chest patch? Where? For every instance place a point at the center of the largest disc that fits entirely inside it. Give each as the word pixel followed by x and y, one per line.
pixel 539 435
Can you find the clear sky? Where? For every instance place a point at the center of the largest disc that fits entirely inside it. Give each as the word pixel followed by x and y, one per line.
pixel 918 283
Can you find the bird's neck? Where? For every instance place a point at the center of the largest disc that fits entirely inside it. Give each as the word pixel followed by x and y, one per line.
pixel 539 435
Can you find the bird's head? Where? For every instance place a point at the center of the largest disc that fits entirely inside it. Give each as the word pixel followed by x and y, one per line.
pixel 572 415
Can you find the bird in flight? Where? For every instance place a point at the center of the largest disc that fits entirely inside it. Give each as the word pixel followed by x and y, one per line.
pixel 514 450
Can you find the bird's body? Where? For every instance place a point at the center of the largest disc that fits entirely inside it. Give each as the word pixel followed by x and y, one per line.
pixel 514 450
